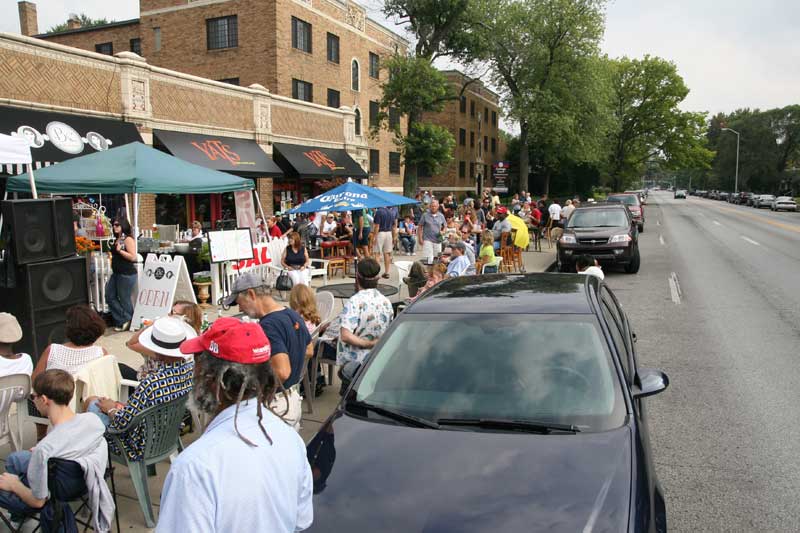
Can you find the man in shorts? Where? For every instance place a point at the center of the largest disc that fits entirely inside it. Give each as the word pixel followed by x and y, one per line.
pixel 385 223
pixel 429 231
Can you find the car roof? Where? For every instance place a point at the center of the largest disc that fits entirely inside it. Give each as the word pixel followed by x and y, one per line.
pixel 538 293
pixel 603 205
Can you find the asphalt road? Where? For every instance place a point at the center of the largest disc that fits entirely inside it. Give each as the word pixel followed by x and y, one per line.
pixel 716 305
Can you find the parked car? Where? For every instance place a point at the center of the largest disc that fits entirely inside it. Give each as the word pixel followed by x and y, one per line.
pixel 722 195
pixel 752 199
pixel 642 195
pixel 741 198
pixel 454 423
pixel 680 193
pixel 607 232
pixel 631 200
pixel 763 200
pixel 784 203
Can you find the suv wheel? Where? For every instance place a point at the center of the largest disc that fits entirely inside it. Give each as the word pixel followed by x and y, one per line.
pixel 641 227
pixel 633 266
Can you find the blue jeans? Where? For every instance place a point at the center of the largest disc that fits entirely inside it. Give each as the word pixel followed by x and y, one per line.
pixel 17 464
pixel 94 407
pixel 408 242
pixel 119 292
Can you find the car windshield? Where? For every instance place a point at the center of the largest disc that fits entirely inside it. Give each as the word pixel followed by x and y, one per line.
pixel 592 218
pixel 549 368
pixel 627 199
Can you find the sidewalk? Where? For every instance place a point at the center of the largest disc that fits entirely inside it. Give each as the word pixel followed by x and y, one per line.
pixel 129 511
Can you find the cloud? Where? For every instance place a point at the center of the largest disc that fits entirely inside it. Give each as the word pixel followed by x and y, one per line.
pixel 53 12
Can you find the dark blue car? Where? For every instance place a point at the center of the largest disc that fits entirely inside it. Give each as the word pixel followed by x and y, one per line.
pixel 508 403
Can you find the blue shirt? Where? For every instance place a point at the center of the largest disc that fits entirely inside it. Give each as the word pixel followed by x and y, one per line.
pixel 220 483
pixel 460 266
pixel 287 333
pixel 384 219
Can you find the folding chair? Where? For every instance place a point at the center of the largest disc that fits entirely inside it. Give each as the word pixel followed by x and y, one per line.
pixel 14 389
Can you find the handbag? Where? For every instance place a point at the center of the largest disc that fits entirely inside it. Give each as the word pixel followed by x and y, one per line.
pixel 284 282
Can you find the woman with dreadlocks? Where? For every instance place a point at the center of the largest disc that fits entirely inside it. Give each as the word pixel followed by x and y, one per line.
pixel 248 471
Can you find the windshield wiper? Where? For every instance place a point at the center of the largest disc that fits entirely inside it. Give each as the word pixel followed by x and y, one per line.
pixel 407 419
pixel 513 425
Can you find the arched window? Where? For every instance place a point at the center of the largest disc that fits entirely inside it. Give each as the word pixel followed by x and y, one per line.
pixel 355 76
pixel 358 121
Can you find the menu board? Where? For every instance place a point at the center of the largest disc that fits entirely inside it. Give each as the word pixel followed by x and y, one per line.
pixel 230 245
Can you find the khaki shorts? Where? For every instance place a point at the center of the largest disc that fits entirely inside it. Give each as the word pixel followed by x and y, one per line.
pixel 291 411
pixel 384 243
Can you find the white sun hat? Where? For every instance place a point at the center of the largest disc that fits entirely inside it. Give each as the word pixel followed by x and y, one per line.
pixel 166 335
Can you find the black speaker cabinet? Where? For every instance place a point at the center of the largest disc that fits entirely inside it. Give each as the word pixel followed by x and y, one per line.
pixel 40 230
pixel 40 301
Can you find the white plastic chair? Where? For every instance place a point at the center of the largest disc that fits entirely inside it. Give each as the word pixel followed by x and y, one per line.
pixel 325 304
pixel 496 263
pixel 14 388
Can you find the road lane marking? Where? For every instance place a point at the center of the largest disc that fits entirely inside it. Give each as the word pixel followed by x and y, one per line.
pixel 717 223
pixel 674 288
pixel 658 222
pixel 751 241
pixel 760 219
pixel 661 240
pixel 702 215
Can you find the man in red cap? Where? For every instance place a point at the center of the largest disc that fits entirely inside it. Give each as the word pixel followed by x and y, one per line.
pixel 248 471
pixel 501 225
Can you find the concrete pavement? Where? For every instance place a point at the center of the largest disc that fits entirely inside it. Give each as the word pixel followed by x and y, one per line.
pixel 130 513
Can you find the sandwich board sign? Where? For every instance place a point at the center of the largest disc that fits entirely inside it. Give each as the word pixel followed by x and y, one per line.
pixel 163 281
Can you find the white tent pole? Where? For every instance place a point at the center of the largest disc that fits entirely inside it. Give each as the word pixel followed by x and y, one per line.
pixel 135 216
pixel 261 211
pixel 127 207
pixel 33 183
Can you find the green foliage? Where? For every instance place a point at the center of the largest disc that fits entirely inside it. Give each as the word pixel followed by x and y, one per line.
pixel 86 22
pixel 428 145
pixel 414 86
pixel 649 124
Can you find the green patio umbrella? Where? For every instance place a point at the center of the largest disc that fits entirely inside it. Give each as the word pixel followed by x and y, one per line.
pixel 130 168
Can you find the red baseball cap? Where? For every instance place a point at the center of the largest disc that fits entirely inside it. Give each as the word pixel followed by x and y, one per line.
pixel 502 210
pixel 232 340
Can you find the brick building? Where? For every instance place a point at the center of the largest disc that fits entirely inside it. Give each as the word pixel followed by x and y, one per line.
pixel 81 94
pixel 327 52
pixel 474 122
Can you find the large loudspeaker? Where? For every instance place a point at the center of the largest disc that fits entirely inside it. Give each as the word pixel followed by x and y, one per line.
pixel 40 230
pixel 40 301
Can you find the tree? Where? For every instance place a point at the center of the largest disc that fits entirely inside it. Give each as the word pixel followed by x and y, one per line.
pixel 649 123
pixel 86 22
pixel 542 57
pixel 441 28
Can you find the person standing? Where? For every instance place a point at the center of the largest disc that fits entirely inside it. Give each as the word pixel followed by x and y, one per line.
pixel 360 234
pixel 248 471
pixel 429 232
pixel 122 283
pixel 385 223
pixel 567 210
pixel 555 213
pixel 288 336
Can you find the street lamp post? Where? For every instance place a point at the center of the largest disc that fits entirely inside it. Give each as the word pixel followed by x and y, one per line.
pixel 736 182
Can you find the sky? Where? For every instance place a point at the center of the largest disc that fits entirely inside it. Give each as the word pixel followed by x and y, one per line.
pixel 731 53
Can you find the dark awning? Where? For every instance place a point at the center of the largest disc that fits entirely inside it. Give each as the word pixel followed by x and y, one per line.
pixel 313 162
pixel 55 137
pixel 242 157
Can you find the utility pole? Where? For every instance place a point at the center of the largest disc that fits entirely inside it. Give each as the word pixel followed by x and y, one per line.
pixel 736 180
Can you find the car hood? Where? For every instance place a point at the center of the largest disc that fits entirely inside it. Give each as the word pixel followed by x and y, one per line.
pixel 373 476
pixel 597 233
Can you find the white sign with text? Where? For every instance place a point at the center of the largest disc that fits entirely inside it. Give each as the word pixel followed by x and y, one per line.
pixel 164 280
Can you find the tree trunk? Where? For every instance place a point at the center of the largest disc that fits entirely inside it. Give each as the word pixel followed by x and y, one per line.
pixel 524 156
pixel 410 172
pixel 547 173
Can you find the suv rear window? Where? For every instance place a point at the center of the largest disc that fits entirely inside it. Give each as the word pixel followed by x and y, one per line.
pixel 594 218
pixel 627 199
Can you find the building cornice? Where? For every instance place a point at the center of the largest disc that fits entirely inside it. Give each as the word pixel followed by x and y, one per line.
pixel 114 24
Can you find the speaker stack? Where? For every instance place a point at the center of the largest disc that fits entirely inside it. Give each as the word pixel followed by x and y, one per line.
pixel 49 277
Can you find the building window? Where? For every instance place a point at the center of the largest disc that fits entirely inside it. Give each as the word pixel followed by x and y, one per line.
pixel 394 118
pixel 157 39
pixel 462 136
pixel 472 139
pixel 485 143
pixel 104 48
pixel 472 108
pixel 333 98
pixel 374 65
pixel 462 169
pixel 394 162
pixel 302 90
pixel 136 46
pixel 486 115
pixel 462 105
pixel 374 111
pixel 494 145
pixel 222 32
pixel 472 171
pixel 494 118
pixel 374 162
pixel 301 35
pixel 354 77
pixel 232 81
pixel 333 48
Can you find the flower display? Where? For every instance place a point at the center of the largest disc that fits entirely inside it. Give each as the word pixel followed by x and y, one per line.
pixel 85 246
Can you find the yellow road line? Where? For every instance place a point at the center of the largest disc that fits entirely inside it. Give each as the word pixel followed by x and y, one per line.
pixel 781 225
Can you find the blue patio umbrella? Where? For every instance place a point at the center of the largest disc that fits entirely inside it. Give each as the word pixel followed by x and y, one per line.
pixel 351 196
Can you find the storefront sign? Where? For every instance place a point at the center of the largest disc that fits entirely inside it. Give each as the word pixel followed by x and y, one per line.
pixel 500 174
pixel 246 212
pixel 215 149
pixel 260 257
pixel 164 280
pixel 319 158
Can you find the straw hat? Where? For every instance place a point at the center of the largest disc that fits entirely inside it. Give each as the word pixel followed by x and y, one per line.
pixel 10 332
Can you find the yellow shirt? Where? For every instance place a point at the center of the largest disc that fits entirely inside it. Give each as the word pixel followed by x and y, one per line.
pixel 488 253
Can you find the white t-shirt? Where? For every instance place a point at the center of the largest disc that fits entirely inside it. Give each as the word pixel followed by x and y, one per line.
pixel 328 227
pixel 555 211
pixel 21 365
pixel 594 271
pixel 566 211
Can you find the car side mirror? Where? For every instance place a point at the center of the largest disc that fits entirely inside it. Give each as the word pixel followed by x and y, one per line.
pixel 649 382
